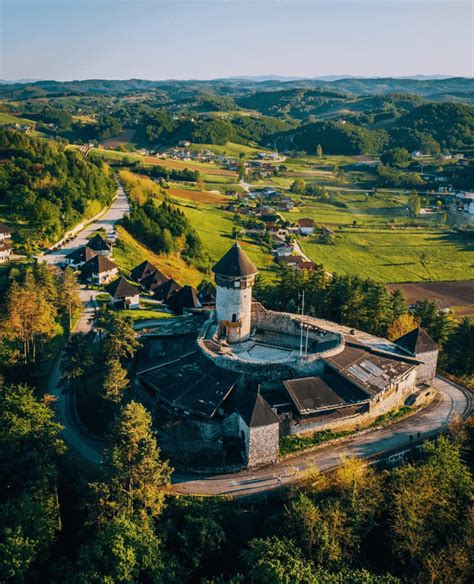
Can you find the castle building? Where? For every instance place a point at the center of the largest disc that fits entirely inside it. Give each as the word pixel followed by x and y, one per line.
pixel 235 276
pixel 226 390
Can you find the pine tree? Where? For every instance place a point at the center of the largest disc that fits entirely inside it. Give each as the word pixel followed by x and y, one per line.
pixel 115 381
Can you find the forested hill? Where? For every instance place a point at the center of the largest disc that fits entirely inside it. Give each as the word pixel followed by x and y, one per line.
pixel 46 188
pixel 175 88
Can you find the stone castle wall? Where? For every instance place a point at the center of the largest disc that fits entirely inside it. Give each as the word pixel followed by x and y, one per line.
pixel 263 445
pixel 427 370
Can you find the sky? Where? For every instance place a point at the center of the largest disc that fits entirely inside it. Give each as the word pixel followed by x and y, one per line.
pixel 208 39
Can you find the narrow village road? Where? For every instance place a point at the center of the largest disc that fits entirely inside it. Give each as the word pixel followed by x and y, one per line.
pixel 76 437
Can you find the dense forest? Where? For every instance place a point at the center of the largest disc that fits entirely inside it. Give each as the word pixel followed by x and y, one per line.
pixel 47 188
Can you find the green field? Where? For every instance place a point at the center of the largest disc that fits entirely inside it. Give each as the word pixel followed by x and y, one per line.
pixel 395 255
pixel 7 119
pixel 214 227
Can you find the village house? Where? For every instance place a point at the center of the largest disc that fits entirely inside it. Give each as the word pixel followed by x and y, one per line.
pixel 100 245
pixel 5 252
pixel 5 232
pixel 186 297
pixel 306 226
pixel 142 271
pixel 98 270
pixel 164 292
pixel 80 256
pixel 151 282
pixel 123 294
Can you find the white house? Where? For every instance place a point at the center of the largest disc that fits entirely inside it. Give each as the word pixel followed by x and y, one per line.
pixel 99 270
pixel 5 252
pixel 123 294
pixel 5 232
pixel 306 226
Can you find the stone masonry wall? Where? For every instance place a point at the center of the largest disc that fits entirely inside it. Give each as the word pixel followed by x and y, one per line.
pixel 263 445
pixel 427 370
pixel 238 302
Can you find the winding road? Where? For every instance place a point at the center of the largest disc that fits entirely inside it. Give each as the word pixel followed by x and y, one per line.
pixel 453 402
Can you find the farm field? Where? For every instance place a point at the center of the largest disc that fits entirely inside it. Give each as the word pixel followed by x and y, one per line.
pixel 395 256
pixel 6 119
pixel 458 296
pixel 196 196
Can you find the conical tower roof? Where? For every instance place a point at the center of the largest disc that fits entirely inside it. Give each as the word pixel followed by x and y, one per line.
pixel 235 263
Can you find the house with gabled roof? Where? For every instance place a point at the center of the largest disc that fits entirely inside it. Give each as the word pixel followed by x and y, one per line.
pixel 142 271
pixel 151 282
pixel 123 294
pixel 164 292
pixel 185 298
pixel 100 245
pixel 98 270
pixel 80 256
pixel 5 232
pixel 5 252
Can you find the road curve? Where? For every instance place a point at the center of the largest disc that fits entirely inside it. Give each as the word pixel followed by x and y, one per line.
pixel 453 402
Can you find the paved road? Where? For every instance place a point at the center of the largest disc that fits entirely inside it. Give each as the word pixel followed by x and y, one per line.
pixel 76 437
pixel 115 212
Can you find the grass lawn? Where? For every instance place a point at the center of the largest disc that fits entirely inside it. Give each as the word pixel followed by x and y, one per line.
pixel 128 253
pixel 395 256
pixel 147 314
pixel 214 227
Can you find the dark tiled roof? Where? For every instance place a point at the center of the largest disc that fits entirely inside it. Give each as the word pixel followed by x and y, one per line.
pixel 184 298
pixel 417 341
pixel 369 370
pixel 98 243
pixel 120 288
pixel 235 263
pixel 310 394
pixel 166 290
pixel 142 270
pixel 153 280
pixel 83 254
pixel 97 265
pixel 191 384
pixel 207 295
pixel 252 407
pixel 4 228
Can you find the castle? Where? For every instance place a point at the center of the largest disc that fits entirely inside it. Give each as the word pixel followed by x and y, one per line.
pixel 223 395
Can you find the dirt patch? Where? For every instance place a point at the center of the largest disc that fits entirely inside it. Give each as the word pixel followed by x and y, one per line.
pixel 182 165
pixel 455 295
pixel 200 196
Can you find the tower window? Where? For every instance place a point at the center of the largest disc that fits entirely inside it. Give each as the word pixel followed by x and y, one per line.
pixel 234 318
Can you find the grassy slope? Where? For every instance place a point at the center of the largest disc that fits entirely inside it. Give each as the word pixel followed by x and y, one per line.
pixel 215 229
pixel 130 253
pixel 6 119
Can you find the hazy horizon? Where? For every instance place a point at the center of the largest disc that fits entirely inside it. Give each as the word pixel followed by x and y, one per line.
pixel 68 40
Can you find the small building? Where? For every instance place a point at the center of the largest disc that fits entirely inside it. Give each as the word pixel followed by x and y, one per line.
pixel 207 295
pixel 5 232
pixel 5 252
pixel 185 298
pixel 306 226
pixel 151 282
pixel 100 245
pixel 164 292
pixel 123 294
pixel 420 345
pixel 142 271
pixel 80 256
pixel 99 270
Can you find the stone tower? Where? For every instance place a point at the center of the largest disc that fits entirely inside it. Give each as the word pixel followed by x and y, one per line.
pixel 235 275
